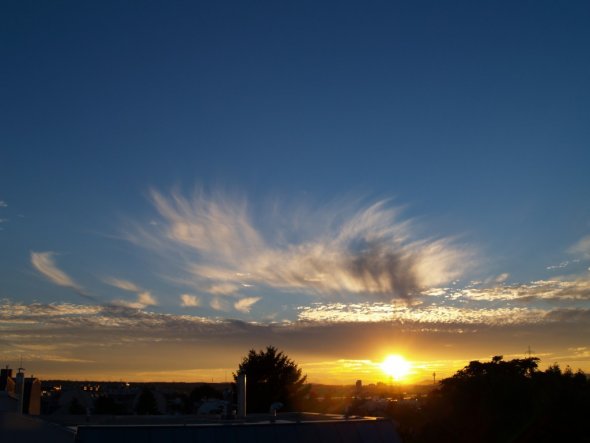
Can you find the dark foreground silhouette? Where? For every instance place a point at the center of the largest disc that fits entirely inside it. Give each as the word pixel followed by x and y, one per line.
pixel 501 401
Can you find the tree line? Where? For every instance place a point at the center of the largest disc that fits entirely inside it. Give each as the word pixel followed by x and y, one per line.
pixel 501 401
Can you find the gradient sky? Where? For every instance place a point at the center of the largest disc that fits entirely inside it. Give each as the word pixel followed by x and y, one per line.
pixel 183 181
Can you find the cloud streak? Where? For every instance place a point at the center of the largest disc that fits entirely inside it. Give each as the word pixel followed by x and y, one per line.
pixel 45 264
pixel 365 251
pixel 143 300
pixel 581 248
pixel 124 285
pixel 559 289
pixel 428 315
pixel 65 318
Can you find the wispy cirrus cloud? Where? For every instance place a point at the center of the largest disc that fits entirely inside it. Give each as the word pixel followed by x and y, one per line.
pixel 366 251
pixel 44 263
pixel 223 289
pixel 143 300
pixel 124 285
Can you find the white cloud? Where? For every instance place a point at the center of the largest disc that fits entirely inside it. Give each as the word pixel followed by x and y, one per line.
pixel 245 304
pixel 125 285
pixel 189 301
pixel 553 290
pixel 44 263
pixel 3 204
pixel 219 304
pixel 561 265
pixel 20 310
pixel 128 304
pixel 581 248
pixel 434 315
pixel 144 299
pixel 362 251
pixel 502 277
pixel 96 320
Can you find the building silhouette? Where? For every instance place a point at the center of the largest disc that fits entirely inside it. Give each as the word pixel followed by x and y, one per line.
pixel 19 394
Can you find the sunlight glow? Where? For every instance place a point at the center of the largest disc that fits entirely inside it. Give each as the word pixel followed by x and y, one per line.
pixel 395 366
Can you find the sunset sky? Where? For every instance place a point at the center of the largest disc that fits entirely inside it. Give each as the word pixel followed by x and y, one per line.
pixel 183 181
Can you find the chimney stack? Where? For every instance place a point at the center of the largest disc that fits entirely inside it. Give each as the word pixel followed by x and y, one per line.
pixel 242 396
pixel 20 390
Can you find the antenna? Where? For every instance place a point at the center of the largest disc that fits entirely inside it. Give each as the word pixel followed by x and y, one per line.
pixel 434 378
pixel 529 352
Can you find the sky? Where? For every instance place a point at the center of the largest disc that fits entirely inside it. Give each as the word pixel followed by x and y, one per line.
pixel 181 182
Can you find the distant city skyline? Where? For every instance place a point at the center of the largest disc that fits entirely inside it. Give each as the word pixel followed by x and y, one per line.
pixel 180 183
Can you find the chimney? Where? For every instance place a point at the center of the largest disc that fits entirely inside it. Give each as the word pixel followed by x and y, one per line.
pixel 20 390
pixel 242 396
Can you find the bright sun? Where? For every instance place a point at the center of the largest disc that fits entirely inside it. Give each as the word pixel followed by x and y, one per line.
pixel 396 366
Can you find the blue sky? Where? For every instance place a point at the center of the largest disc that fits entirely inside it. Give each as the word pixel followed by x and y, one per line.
pixel 436 150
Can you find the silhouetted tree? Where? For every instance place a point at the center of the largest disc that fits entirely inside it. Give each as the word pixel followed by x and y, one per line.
pixel 501 401
pixel 271 377
pixel 106 405
pixel 146 403
pixel 75 408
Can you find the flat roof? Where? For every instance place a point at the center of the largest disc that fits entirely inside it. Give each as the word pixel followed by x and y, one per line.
pixel 24 429
pixel 338 431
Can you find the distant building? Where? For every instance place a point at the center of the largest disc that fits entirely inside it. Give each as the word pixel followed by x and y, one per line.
pixel 359 388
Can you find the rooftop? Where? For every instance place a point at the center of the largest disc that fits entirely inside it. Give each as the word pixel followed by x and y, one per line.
pixel 260 428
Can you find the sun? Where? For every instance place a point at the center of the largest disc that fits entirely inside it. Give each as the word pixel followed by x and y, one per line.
pixel 396 366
